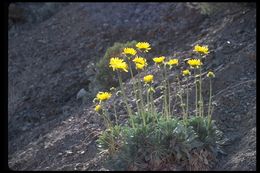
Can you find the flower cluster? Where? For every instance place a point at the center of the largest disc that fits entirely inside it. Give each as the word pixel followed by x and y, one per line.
pixel 101 97
pixel 147 120
pixel 119 64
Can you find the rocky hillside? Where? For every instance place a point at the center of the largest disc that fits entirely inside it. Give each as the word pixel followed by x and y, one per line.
pixel 53 56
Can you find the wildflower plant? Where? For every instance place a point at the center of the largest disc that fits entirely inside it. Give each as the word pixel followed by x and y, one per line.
pixel 151 137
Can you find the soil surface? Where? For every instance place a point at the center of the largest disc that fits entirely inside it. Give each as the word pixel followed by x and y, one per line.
pixel 52 54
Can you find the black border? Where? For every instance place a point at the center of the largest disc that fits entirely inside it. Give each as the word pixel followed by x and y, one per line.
pixel 5 67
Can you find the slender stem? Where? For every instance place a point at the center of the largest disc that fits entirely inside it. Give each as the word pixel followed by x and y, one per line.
pixel 134 87
pixel 169 94
pixel 165 93
pixel 129 111
pixel 106 117
pixel 140 90
pixel 197 111
pixel 196 92
pixel 200 95
pixel 153 108
pixel 183 110
pixel 147 99
pixel 115 112
pixel 149 102
pixel 187 99
pixel 211 111
pixel 202 106
pixel 165 105
pixel 210 95
pixel 141 98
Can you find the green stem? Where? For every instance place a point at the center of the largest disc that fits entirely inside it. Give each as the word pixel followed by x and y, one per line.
pixel 129 111
pixel 134 87
pixel 196 93
pixel 140 90
pixel 147 99
pixel 202 106
pixel 153 108
pixel 200 95
pixel 115 112
pixel 187 99
pixel 165 93
pixel 108 121
pixel 183 110
pixel 148 105
pixel 209 107
pixel 169 94
pixel 141 98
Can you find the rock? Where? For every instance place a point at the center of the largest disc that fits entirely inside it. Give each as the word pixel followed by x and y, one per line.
pixel 82 93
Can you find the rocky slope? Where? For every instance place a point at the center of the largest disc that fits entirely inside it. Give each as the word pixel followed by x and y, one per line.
pixel 51 60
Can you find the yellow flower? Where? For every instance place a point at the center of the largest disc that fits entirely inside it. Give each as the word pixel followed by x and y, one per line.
pixel 103 96
pixel 185 72
pixel 201 49
pixel 143 46
pixel 159 60
pixel 139 66
pixel 129 51
pixel 140 62
pixel 118 64
pixel 194 63
pixel 97 108
pixel 148 78
pixel 210 74
pixel 173 62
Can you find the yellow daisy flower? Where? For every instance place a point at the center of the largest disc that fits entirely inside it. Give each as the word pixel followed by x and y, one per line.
pixel 118 64
pixel 210 74
pixel 129 51
pixel 139 66
pixel 173 62
pixel 97 108
pixel 186 72
pixel 201 49
pixel 140 62
pixel 194 63
pixel 143 46
pixel 148 78
pixel 103 96
pixel 159 60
